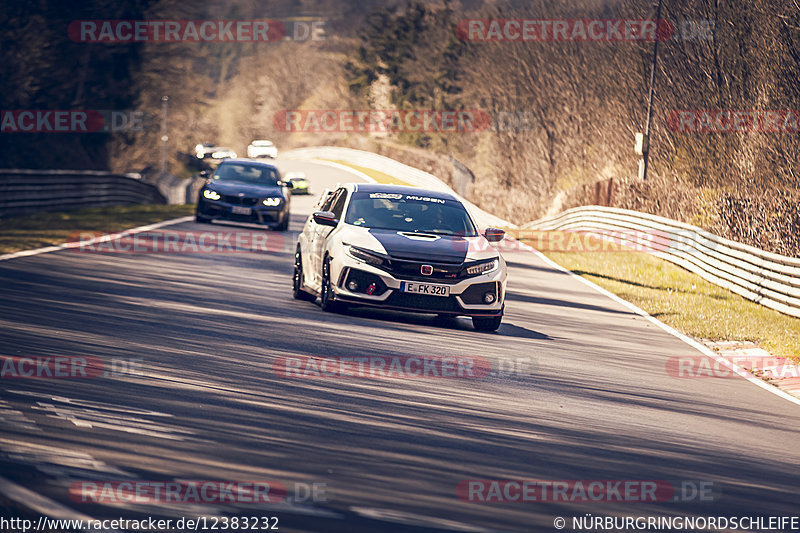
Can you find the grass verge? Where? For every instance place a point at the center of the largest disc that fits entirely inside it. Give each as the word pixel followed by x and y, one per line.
pixel 684 300
pixel 47 229
pixel 377 175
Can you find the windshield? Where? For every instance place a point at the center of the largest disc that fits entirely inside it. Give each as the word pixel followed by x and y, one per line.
pixel 411 213
pixel 242 172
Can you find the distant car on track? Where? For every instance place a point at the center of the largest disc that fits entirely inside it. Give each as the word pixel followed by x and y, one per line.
pixel 299 182
pixel 400 248
pixel 244 190
pixel 204 150
pixel 220 153
pixel 262 148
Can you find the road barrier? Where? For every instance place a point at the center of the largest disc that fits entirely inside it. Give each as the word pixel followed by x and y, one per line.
pixel 766 278
pixel 31 191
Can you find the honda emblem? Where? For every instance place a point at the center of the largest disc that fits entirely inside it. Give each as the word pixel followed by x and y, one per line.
pixel 426 270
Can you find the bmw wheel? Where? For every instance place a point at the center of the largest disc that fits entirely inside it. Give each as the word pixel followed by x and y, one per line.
pixel 284 225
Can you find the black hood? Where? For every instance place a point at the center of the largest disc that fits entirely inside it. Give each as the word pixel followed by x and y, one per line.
pixel 252 190
pixel 444 249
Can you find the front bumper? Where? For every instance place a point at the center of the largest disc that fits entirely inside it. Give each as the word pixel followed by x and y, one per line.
pixel 259 214
pixel 465 298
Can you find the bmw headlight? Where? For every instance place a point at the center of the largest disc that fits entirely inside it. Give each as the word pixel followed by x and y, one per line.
pixel 366 256
pixel 483 267
pixel 272 202
pixel 211 195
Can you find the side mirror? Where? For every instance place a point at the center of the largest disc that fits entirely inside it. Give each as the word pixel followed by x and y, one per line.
pixel 325 218
pixel 288 184
pixel 494 234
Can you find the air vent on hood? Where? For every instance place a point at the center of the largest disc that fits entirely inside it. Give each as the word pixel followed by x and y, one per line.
pixel 421 236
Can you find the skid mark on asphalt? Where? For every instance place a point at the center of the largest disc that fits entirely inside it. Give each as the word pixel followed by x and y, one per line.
pixel 97 418
pixel 13 418
pixel 60 463
pixel 199 308
pixel 411 519
pixel 101 415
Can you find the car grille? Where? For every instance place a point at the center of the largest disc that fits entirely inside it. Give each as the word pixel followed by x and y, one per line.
pixel 410 270
pixel 423 302
pixel 442 272
pixel 240 200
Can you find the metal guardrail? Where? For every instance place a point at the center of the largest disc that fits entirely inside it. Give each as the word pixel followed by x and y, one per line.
pixel 412 176
pixel 25 191
pixel 766 278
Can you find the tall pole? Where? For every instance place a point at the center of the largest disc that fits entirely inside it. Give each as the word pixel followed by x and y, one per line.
pixel 646 145
pixel 164 138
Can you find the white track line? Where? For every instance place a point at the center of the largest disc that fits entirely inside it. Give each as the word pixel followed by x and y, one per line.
pixel 103 238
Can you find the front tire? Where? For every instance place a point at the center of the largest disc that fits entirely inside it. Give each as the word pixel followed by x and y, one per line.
pixel 201 219
pixel 327 295
pixel 482 323
pixel 297 281
pixel 284 225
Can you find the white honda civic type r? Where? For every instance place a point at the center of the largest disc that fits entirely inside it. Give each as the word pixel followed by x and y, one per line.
pixel 400 248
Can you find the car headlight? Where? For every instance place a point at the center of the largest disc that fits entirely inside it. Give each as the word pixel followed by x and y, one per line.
pixel 211 195
pixel 483 267
pixel 365 256
pixel 272 202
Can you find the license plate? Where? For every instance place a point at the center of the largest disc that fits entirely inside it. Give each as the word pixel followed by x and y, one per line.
pixel 425 288
pixel 239 210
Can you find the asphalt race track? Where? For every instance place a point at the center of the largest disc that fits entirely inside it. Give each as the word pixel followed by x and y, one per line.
pixel 578 390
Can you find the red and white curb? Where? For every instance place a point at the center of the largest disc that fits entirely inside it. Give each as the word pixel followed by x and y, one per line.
pixel 780 372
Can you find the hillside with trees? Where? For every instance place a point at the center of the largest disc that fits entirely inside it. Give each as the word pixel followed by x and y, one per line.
pixel 563 114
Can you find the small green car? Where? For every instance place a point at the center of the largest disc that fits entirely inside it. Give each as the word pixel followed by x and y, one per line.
pixel 299 182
